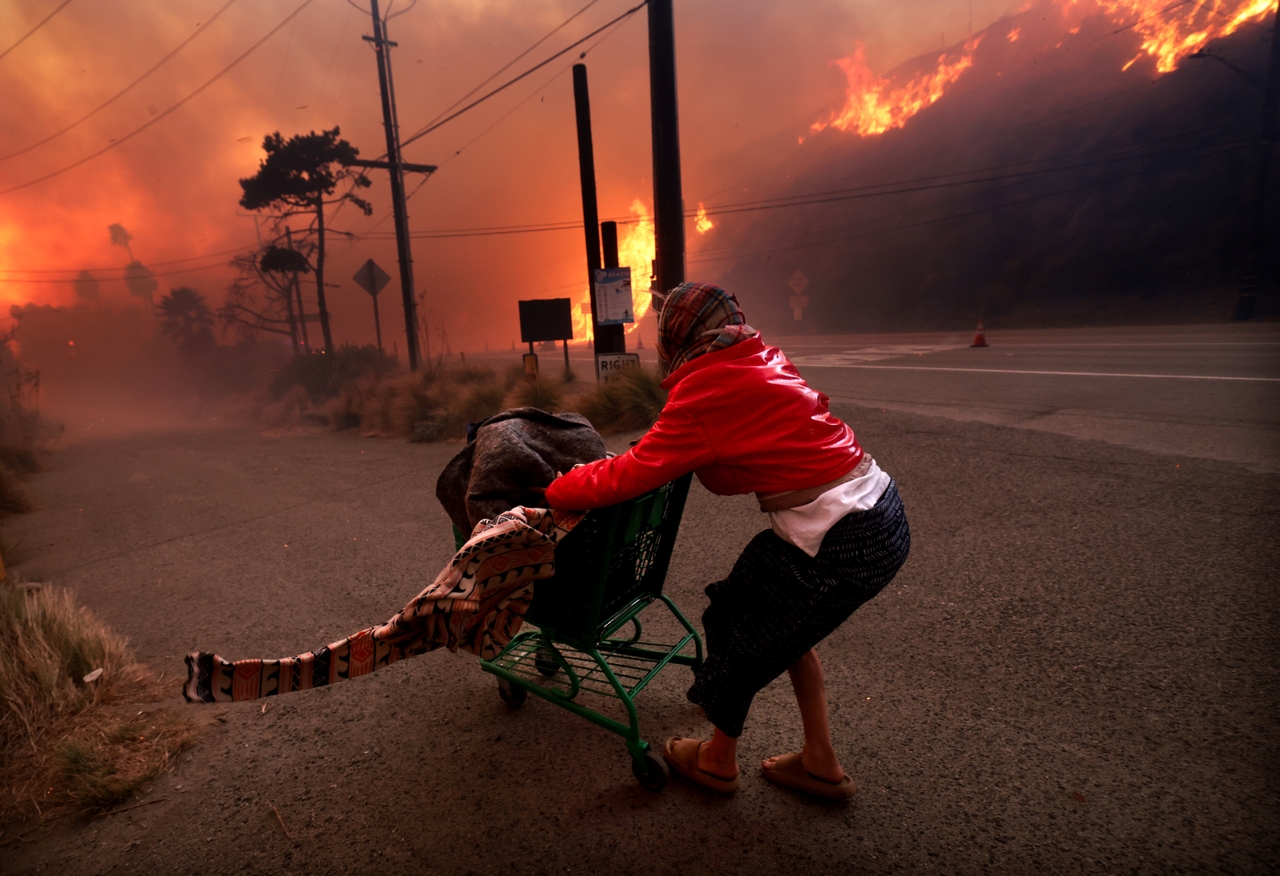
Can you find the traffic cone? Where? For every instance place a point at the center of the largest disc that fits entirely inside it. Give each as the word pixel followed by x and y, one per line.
pixel 980 337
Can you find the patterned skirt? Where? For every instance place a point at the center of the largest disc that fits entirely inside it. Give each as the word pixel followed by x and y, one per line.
pixel 778 602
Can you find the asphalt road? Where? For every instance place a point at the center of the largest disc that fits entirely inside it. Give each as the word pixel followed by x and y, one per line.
pixel 1074 673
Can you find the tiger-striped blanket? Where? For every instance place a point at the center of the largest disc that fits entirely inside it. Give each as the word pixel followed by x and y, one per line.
pixel 476 603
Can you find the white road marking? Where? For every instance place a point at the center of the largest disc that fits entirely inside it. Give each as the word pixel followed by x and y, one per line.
pixel 873 354
pixel 805 361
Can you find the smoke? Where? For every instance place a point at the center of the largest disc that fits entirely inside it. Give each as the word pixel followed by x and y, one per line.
pixel 754 77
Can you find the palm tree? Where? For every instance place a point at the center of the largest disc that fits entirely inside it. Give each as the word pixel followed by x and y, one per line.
pixel 186 318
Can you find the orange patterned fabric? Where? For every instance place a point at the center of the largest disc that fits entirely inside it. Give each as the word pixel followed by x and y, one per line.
pixel 476 603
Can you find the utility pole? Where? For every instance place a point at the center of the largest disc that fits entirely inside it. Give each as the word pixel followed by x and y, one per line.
pixel 668 197
pixel 1247 300
pixel 397 167
pixel 608 338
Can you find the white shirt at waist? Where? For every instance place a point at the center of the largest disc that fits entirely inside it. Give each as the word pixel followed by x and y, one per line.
pixel 806 525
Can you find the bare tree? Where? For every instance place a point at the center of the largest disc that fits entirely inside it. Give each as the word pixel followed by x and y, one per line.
pixel 275 270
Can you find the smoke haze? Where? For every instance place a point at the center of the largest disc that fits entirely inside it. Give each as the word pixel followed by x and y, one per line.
pixel 754 78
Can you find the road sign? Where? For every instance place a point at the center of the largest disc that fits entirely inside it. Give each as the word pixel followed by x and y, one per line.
pixel 371 277
pixel 613 296
pixel 798 282
pixel 546 319
pixel 609 365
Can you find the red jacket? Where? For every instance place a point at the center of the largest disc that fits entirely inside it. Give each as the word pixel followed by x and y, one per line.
pixel 742 418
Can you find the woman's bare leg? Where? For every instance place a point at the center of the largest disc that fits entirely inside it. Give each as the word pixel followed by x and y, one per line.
pixel 719 755
pixel 818 756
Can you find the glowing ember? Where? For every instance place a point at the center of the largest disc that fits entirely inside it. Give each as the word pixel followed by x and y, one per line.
pixel 701 222
pixel 874 104
pixel 1169 34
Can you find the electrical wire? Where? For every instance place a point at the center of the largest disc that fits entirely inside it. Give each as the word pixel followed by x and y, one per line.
pixel 208 255
pixel 457 152
pixel 897 187
pixel 755 250
pixel 506 67
pixel 427 130
pixel 100 107
pixel 42 23
pixel 114 143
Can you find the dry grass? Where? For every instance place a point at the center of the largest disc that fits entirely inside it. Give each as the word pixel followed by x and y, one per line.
pixel 290 410
pixel 426 406
pixel 630 401
pixel 66 743
pixel 541 393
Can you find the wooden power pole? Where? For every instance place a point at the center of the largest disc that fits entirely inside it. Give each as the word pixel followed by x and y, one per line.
pixel 397 167
pixel 607 338
pixel 668 197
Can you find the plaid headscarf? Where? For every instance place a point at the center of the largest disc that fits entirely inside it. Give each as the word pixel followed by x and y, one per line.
pixel 698 318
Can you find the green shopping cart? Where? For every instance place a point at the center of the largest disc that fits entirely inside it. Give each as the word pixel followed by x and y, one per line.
pixel 609 569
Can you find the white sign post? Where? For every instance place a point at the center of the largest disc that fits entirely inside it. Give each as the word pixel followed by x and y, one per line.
pixel 613 302
pixel 611 365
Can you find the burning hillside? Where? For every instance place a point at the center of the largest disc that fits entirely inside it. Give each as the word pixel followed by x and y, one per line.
pixel 1068 156
pixel 874 104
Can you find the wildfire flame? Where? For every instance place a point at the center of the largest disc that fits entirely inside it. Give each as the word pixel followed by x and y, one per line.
pixel 636 250
pixel 874 104
pixel 701 222
pixel 1170 34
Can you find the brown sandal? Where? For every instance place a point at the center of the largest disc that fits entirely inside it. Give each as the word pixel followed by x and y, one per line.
pixel 683 758
pixel 790 773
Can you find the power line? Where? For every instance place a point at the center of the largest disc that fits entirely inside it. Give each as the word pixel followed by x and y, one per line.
pixel 42 23
pixel 513 109
pixel 897 187
pixel 509 64
pixel 207 255
pixel 113 144
pixel 209 267
pixel 755 250
pixel 93 112
pixel 427 130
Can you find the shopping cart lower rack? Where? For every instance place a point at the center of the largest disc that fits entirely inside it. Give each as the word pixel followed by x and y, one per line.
pixel 609 569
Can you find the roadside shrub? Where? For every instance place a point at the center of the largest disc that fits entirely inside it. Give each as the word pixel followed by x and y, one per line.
pixel 20 458
pixel 13 499
pixel 63 740
pixel 514 374
pixel 323 375
pixel 541 393
pixel 630 401
pixel 290 410
pixel 481 401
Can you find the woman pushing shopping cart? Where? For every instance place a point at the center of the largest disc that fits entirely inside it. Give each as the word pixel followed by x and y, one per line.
pixel 741 417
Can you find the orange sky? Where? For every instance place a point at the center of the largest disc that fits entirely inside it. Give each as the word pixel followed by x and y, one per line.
pixel 749 73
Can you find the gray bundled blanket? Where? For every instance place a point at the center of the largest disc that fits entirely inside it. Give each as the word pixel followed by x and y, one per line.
pixel 510 460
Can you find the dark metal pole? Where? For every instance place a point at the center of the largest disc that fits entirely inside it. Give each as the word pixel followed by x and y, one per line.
pixel 381 44
pixel 609 239
pixel 668 198
pixel 1247 300
pixel 590 213
pixel 614 335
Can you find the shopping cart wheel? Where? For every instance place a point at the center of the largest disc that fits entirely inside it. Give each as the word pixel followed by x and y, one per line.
pixel 546 662
pixel 512 694
pixel 651 772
